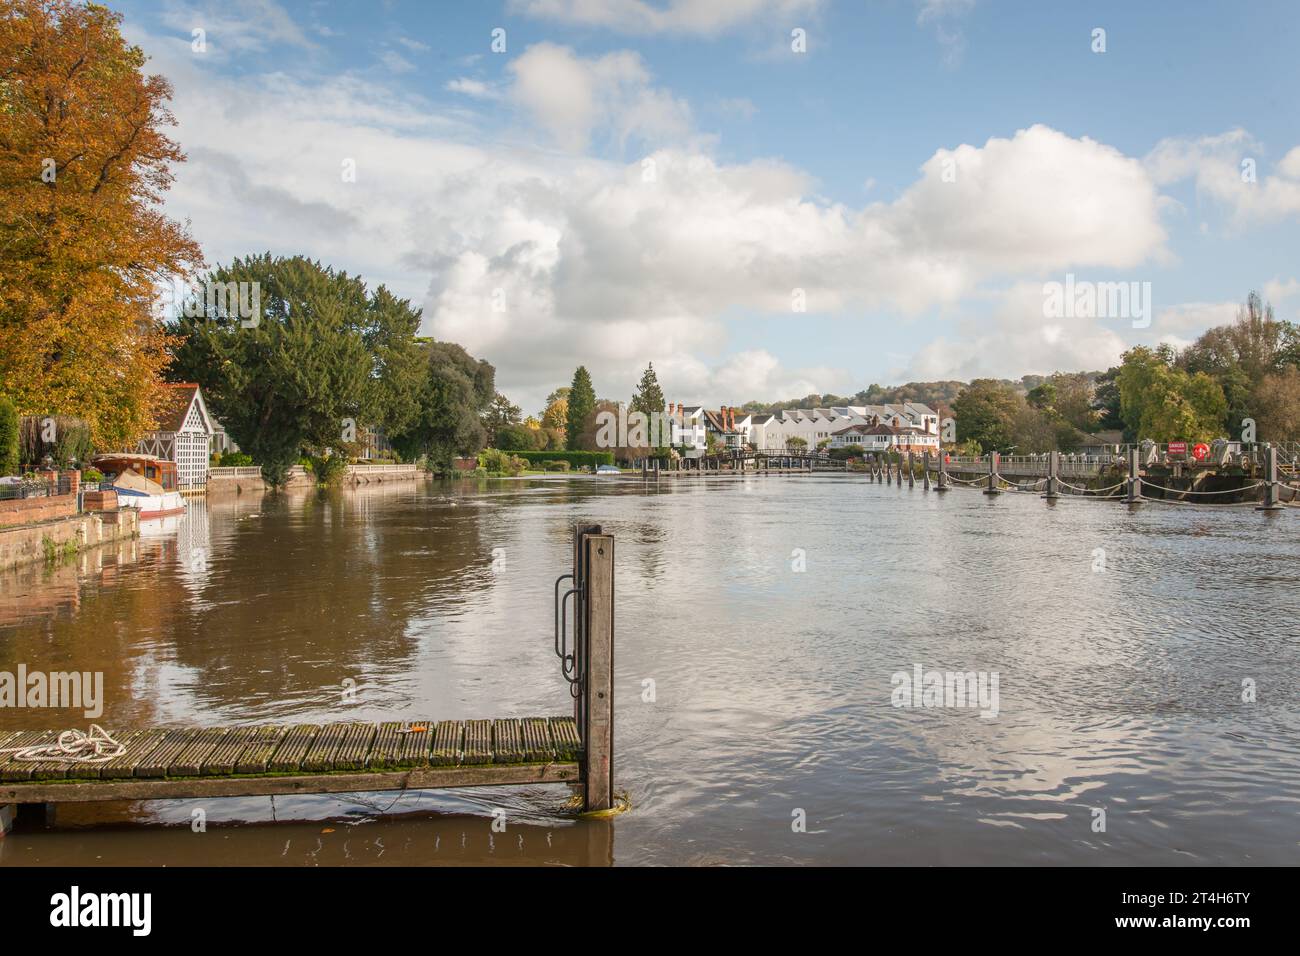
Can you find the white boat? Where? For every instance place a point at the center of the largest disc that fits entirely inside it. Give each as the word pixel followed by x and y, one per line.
pixel 143 482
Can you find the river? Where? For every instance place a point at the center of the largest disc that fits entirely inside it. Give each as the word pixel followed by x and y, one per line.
pixel 760 623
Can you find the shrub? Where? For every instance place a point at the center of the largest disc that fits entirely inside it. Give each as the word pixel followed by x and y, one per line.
pixel 576 459
pixel 494 461
pixel 235 459
pixel 549 465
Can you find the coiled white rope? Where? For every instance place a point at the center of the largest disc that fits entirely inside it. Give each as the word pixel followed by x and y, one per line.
pixel 72 746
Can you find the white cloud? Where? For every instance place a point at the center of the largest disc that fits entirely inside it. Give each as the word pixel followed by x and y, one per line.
pixel 702 17
pixel 601 264
pixel 239 26
pixel 396 62
pixel 944 16
pixel 1229 169
pixel 1016 339
pixel 470 87
pixel 572 97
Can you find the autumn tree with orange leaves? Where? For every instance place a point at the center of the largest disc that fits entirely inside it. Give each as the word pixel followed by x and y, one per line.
pixel 84 164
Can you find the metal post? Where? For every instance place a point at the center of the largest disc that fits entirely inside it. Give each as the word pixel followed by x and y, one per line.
pixel 1272 500
pixel 992 489
pixel 1053 475
pixel 1134 495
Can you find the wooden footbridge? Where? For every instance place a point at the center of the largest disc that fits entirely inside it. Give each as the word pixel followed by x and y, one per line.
pixel 782 460
pixel 46 768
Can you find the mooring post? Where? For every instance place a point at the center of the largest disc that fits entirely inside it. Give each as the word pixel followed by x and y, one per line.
pixel 911 470
pixel 1134 495
pixel 943 471
pixel 597 725
pixel 1053 474
pixel 1272 498
pixel 925 471
pixel 992 489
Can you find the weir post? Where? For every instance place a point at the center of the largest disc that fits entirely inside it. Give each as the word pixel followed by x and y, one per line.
pixel 594 664
pixel 1134 495
pixel 992 489
pixel 1272 500
pixel 911 470
pixel 1053 475
pixel 925 472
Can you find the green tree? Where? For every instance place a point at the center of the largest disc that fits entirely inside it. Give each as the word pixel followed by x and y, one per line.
pixel 500 413
pixel 581 407
pixel 302 377
pixel 1162 402
pixel 8 437
pixel 455 392
pixel 987 412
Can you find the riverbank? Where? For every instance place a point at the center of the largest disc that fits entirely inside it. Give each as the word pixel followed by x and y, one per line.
pixel 61 537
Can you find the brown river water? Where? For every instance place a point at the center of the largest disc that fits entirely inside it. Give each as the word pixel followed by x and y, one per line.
pixel 770 615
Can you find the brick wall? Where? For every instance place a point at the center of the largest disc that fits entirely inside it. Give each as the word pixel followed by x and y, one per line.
pixel 20 511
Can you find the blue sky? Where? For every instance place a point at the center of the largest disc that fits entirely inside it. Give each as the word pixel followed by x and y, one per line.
pixel 507 192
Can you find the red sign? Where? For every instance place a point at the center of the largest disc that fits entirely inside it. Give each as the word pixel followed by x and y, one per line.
pixel 1178 448
pixel 1200 451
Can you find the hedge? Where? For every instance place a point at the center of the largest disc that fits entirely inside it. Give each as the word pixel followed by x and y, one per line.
pixel 575 458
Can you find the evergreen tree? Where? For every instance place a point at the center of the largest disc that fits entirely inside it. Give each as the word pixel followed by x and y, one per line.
pixel 649 399
pixel 582 405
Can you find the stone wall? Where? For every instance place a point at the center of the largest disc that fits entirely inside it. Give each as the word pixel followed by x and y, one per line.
pixel 38 542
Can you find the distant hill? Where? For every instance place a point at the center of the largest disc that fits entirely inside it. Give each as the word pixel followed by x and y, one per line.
pixel 938 395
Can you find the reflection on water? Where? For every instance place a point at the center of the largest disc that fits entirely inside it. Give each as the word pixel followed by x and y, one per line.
pixel 1120 690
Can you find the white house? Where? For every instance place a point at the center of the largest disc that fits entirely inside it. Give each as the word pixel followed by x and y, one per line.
pixel 183 435
pixel 688 428
pixel 881 437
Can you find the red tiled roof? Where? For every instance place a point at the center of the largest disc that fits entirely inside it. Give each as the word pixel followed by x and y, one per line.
pixel 174 404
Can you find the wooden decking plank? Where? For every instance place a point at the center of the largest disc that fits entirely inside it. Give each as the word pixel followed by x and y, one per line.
pixel 355 747
pixel 320 755
pixel 189 762
pixel 478 741
pixel 416 744
pixel 446 743
pixel 293 747
pixel 256 757
pixel 387 745
pixel 11 769
pixel 161 757
pixel 56 769
pixel 221 760
pixel 564 736
pixel 537 740
pixel 507 743
pixel 137 748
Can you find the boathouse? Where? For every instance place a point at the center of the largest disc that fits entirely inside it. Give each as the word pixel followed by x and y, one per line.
pixel 183 435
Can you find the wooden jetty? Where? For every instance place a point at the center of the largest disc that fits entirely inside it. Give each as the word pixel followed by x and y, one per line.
pixel 195 762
